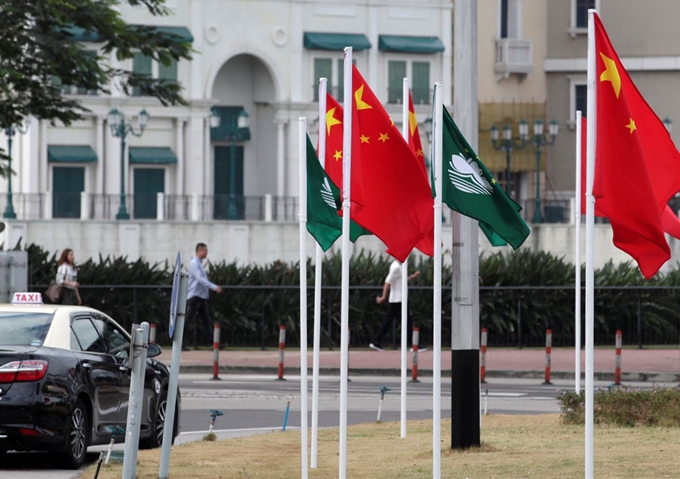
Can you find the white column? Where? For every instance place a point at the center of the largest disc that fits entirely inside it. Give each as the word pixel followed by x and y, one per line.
pixel 179 170
pixel 297 83
pixel 373 51
pixel 268 208
pixel 47 205
pixel 84 206
pixel 43 167
pixel 196 87
pixel 195 156
pixel 206 187
pixel 280 157
pixel 160 206
pixel 446 54
pixel 195 207
pixel 98 188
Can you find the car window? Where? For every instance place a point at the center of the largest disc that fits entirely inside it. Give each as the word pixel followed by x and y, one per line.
pixel 87 336
pixel 115 339
pixel 23 328
pixel 75 345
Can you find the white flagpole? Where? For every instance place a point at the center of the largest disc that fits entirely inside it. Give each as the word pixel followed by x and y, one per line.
pixel 577 259
pixel 590 230
pixel 437 284
pixel 317 288
pixel 344 303
pixel 302 136
pixel 404 278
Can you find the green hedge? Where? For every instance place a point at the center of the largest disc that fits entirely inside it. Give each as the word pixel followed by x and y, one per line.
pixel 258 298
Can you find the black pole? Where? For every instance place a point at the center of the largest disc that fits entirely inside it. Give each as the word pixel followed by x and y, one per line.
pixel 639 320
pixel 465 398
pixel 519 320
pixel 263 323
pixel 329 298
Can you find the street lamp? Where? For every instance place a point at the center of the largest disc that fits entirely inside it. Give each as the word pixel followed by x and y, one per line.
pixel 120 129
pixel 10 132
pixel 541 140
pixel 506 144
pixel 237 131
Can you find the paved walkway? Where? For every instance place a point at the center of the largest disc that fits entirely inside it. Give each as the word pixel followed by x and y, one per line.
pixel 636 364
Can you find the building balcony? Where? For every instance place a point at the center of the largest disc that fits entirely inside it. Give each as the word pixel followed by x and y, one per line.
pixel 513 56
pixel 158 207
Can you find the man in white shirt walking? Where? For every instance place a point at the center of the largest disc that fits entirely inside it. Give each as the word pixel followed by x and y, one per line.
pixel 393 285
pixel 198 292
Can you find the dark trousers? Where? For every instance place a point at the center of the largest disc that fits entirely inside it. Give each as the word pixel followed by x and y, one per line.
pixel 393 314
pixel 197 313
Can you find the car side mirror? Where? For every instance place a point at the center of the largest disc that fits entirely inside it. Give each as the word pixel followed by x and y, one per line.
pixel 153 350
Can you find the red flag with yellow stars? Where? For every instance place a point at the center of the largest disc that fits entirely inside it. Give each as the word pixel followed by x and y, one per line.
pixel 413 134
pixel 333 165
pixel 394 198
pixel 637 168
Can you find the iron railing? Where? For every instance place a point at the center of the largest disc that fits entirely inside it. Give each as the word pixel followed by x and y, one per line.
pixel 514 316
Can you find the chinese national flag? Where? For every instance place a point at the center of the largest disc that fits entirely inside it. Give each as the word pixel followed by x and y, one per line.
pixel 637 168
pixel 669 220
pixel 363 194
pixel 413 134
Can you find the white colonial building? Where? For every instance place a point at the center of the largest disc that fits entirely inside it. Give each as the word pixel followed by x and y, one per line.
pixel 263 57
pixel 236 189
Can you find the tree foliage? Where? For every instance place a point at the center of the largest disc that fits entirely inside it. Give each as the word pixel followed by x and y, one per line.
pixel 37 46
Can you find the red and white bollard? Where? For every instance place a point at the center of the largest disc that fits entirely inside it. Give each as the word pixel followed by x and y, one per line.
pixel 617 371
pixel 414 365
pixel 548 348
pixel 282 346
pixel 482 359
pixel 152 333
pixel 216 351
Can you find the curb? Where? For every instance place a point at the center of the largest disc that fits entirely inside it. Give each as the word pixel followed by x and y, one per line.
pixel 394 372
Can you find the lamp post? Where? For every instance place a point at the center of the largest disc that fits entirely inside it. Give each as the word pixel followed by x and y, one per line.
pixel 236 132
pixel 506 144
pixel 540 140
pixel 120 128
pixel 10 132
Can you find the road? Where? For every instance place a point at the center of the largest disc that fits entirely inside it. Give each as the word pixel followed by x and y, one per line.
pixel 257 404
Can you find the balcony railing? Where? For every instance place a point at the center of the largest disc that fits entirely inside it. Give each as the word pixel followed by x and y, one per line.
pixel 513 55
pixel 85 206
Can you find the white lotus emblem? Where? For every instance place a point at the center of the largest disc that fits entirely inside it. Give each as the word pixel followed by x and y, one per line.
pixel 327 194
pixel 466 176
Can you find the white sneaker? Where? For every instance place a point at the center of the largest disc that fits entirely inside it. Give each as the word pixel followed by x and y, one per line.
pixel 377 348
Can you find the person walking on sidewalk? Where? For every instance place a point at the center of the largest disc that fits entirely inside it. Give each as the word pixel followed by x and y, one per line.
pixel 67 278
pixel 393 286
pixel 198 293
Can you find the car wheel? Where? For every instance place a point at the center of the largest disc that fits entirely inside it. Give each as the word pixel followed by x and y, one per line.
pixel 77 439
pixel 158 426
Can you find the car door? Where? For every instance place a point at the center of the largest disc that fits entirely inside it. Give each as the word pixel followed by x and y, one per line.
pixel 118 346
pixel 100 372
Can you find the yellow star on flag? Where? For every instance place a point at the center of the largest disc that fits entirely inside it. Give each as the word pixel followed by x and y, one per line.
pixel 337 155
pixel 364 138
pixel 331 120
pixel 383 137
pixel 611 74
pixel 361 104
pixel 631 126
pixel 419 152
pixel 412 123
pixel 493 181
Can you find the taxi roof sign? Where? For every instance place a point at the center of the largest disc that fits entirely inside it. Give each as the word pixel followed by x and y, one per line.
pixel 27 298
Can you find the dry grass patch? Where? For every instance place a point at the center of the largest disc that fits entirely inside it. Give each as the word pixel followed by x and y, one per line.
pixel 512 447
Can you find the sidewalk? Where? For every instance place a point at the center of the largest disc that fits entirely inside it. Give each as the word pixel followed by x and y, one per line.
pixel 656 365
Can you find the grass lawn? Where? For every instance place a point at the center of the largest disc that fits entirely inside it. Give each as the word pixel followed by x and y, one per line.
pixel 512 447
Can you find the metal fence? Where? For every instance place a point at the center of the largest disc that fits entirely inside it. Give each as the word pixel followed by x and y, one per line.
pixel 514 316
